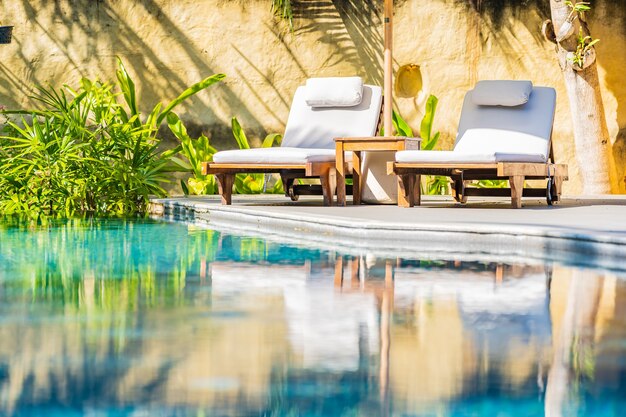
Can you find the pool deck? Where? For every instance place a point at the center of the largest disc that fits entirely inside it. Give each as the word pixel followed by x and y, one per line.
pixel 581 230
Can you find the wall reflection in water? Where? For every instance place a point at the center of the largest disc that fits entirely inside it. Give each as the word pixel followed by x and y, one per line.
pixel 117 318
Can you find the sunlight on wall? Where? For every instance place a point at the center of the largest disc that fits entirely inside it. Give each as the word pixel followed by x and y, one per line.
pixel 169 45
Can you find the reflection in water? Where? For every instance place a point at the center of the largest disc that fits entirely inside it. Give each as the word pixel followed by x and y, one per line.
pixel 147 318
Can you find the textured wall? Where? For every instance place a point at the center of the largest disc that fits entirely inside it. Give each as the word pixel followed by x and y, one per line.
pixel 169 45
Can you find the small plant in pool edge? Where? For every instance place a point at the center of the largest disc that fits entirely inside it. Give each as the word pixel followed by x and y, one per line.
pixel 84 150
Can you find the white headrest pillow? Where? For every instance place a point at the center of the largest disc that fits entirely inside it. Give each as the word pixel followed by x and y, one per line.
pixel 501 93
pixel 334 92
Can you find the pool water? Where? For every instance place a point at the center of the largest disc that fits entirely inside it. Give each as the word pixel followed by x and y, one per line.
pixel 148 318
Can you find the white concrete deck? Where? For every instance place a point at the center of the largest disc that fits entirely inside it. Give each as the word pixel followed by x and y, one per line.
pixel 580 230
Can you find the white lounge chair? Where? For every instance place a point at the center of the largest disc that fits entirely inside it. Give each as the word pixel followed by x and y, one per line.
pixel 504 133
pixel 308 147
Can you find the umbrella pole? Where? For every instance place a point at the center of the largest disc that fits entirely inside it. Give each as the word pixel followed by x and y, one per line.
pixel 388 69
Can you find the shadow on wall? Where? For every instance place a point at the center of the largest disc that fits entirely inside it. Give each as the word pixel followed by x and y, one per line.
pixel 98 24
pixel 499 16
pixel 353 26
pixel 496 10
pixel 71 30
pixel 63 36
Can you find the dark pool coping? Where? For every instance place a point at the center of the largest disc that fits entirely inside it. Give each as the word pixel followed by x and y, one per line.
pixel 581 231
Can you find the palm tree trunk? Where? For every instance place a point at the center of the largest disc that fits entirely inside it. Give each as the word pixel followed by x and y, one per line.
pixel 591 134
pixel 574 339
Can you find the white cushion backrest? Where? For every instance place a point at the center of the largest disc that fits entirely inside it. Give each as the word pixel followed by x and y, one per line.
pixel 520 129
pixel 334 91
pixel 309 127
pixel 501 92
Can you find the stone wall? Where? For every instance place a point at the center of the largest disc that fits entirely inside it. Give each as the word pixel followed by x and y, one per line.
pixel 168 45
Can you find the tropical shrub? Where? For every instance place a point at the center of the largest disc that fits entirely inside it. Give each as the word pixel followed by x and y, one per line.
pixel 85 150
pixel 196 151
pixel 255 183
pixel 432 185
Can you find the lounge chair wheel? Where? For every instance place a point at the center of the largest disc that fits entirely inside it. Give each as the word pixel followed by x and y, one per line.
pixel 293 195
pixel 552 195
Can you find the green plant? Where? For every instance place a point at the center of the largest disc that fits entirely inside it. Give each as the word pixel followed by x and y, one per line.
pixel 579 7
pixel 434 185
pixel 400 125
pixel 583 48
pixel 282 9
pixel 254 183
pixel 429 140
pixel 577 10
pixel 491 183
pixel 84 151
pixel 196 151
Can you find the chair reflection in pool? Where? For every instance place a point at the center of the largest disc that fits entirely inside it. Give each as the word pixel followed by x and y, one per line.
pixel 327 330
pixel 444 322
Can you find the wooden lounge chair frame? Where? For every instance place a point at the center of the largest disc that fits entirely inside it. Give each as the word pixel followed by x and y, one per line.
pixel 515 172
pixel 289 173
pixel 325 171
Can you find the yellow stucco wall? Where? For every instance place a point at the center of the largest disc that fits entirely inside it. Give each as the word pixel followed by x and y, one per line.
pixel 169 45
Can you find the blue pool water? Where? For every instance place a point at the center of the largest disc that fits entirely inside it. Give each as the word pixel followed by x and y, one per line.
pixel 147 318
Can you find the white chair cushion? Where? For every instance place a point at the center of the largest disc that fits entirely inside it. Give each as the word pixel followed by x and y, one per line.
pixel 490 134
pixel 501 93
pixel 309 127
pixel 509 130
pixel 455 157
pixel 275 156
pixel 334 92
pixel 492 141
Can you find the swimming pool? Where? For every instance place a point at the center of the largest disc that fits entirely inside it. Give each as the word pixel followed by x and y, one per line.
pixel 149 318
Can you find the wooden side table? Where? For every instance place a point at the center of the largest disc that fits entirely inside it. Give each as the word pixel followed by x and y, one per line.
pixel 356 146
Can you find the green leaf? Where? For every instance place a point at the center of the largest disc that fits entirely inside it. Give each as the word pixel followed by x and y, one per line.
pixel 271 140
pixel 177 127
pixel 239 134
pixel 207 82
pixel 401 126
pixel 429 116
pixel 128 87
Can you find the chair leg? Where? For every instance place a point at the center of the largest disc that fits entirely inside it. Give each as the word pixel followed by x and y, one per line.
pixel 288 186
pixel 287 183
pixel 517 189
pixel 329 185
pixel 225 186
pixel 558 185
pixel 417 192
pixel 406 190
pixel 458 191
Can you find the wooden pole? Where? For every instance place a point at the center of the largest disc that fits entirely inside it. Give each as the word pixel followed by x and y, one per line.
pixel 388 68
